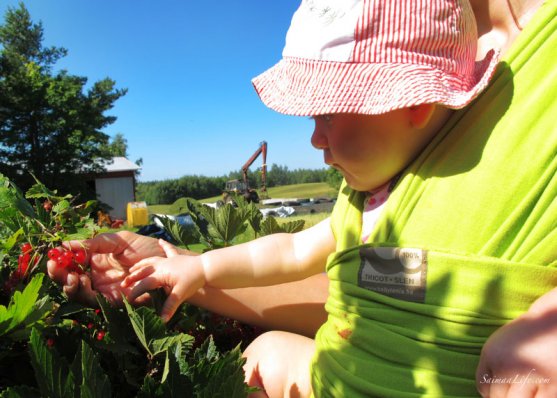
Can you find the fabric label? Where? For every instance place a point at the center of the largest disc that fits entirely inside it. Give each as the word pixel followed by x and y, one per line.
pixel 395 272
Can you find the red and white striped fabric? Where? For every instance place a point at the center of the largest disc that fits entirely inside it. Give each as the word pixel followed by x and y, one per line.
pixel 374 56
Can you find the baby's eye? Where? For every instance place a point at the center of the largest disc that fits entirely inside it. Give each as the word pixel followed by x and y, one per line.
pixel 325 118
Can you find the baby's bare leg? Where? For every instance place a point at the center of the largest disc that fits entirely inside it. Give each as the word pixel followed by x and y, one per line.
pixel 278 363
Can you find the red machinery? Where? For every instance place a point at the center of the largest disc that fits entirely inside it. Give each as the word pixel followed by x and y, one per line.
pixel 237 187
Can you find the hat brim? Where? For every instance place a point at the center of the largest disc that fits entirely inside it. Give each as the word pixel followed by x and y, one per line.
pixel 302 87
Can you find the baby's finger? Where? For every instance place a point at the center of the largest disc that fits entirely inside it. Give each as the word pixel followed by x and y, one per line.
pixel 142 287
pixel 144 263
pixel 180 292
pixel 170 306
pixel 137 274
pixel 169 249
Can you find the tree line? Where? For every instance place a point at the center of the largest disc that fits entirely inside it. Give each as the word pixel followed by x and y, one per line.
pixel 200 187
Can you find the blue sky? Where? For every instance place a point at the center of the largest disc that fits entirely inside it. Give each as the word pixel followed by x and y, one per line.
pixel 187 65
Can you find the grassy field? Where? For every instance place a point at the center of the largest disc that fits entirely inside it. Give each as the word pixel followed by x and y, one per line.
pixel 310 219
pixel 299 191
pixel 309 190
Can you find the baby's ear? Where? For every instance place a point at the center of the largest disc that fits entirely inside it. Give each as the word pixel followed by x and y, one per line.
pixel 421 114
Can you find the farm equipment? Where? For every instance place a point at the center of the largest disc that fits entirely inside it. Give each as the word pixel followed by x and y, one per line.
pixel 241 187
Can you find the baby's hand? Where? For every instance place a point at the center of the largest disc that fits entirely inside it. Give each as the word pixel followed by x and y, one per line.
pixel 180 275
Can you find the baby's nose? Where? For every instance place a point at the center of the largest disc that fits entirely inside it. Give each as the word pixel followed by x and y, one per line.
pixel 319 139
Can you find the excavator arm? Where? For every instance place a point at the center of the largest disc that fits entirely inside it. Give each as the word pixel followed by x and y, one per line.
pixel 262 150
pixel 235 186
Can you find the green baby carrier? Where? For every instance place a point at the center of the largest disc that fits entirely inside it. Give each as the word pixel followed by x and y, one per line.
pixel 467 242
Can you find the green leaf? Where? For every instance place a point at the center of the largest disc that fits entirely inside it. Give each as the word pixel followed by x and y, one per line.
pixel 20 392
pixel 181 234
pixel 11 198
pixel 206 352
pixel 252 214
pixel 86 208
pixel 61 206
pixel 166 343
pixel 217 375
pixel 15 201
pixel 24 307
pixel 176 384
pixel 38 191
pixel 51 371
pixel 226 222
pixel 12 240
pixel 293 226
pixel 81 234
pixel 150 388
pixel 271 226
pixel 147 325
pixel 94 382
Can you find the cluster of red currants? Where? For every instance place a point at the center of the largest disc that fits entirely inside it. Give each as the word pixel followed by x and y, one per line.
pixel 74 260
pixel 23 262
pixel 25 258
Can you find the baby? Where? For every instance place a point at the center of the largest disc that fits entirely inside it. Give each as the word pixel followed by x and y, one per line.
pixel 379 79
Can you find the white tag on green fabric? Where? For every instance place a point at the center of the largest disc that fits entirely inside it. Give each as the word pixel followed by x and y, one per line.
pixel 395 272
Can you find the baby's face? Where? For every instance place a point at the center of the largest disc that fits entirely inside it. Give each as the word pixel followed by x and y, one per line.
pixel 369 150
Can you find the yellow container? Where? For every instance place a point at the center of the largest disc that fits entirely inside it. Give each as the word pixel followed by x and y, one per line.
pixel 137 214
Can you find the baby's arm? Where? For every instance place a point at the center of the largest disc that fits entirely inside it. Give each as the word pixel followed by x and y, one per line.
pixel 266 261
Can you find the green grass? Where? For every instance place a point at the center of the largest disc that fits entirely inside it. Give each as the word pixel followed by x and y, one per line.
pixel 310 219
pixel 298 191
pixel 301 191
pixel 159 209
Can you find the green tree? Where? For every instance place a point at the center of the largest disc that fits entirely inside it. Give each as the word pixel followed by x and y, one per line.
pixel 334 178
pixel 49 124
pixel 278 175
pixel 118 146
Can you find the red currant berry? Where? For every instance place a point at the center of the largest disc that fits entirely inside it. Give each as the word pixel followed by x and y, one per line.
pixel 90 325
pixel 100 335
pixel 68 254
pixel 47 205
pixel 50 342
pixel 97 311
pixel 64 261
pixel 26 248
pixel 53 254
pixel 23 263
pixel 80 256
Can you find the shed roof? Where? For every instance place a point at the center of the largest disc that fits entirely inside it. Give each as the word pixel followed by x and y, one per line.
pixel 120 163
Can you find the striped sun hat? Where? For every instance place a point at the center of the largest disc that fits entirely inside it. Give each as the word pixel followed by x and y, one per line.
pixel 374 56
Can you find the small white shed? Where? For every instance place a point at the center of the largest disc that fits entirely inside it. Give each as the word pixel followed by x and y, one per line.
pixel 116 186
